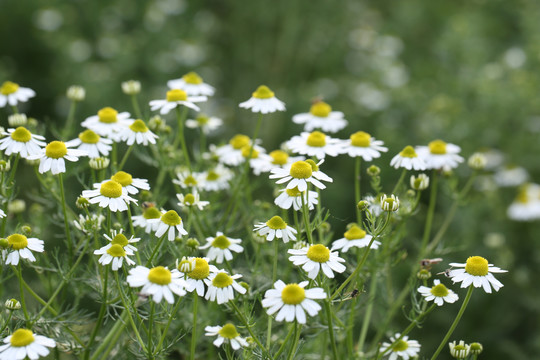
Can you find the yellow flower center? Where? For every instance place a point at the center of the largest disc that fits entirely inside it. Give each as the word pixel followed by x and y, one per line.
pixel 171 218
pixel 316 139
pixel 276 222
pixel 239 141
pixel 120 239
pixel 301 170
pixel 401 345
pixel 21 135
pixel 111 189
pixel 107 115
pixel 190 181
pixel 408 152
pixel 212 175
pixel 222 280
pixel 361 139
pixel 318 253
pixel 228 332
pixel 320 109
pixel 138 126
pixel 123 178
pixel 116 251
pixel 355 233
pixel 151 213
pixel 437 147
pixel 294 192
pixel 17 241
pixel 476 266
pixel 176 95
pixel 522 196
pixel 201 271
pixel 8 87
pixel 279 157
pixel 202 120
pixel 189 199
pixel 439 290
pixel 56 150
pixel 263 92
pixel 89 137
pixel 293 294
pixel 221 242
pixel 22 337
pixel 192 78
pixel 159 275
pixel 247 149
pixel 313 164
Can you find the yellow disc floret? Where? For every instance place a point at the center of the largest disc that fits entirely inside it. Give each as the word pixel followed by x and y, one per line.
pixel 221 242
pixel 138 126
pixel 263 92
pixel 301 170
pixel 437 147
pixel 408 152
pixel 222 280
pixel 320 109
pixel 401 345
pixel 279 157
pixel 21 337
pixel 239 141
pixel 17 241
pixel 89 137
pixel 276 222
pixel 176 95
pixel 360 139
pixel 246 150
pixel 171 218
pixel 56 150
pixel 355 233
pixel 159 275
pixel 116 251
pixel 313 164
pixel 439 290
pixel 123 178
pixel 212 175
pixel 201 270
pixel 152 213
pixel 8 88
pixel 477 266
pixel 192 78
pixel 228 332
pixel 111 189
pixel 294 192
pixel 293 294
pixel 190 181
pixel 108 115
pixel 120 239
pixel 21 134
pixel 318 253
pixel 316 139
pixel 189 199
pixel 202 120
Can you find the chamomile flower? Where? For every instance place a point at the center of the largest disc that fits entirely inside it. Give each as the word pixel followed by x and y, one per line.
pixel 363 144
pixel 292 301
pixel 440 155
pixel 315 144
pixel 114 253
pixel 109 194
pixel 526 205
pixel 108 122
pixel 129 184
pixel 316 172
pixel 221 247
pixel 276 227
pixel 207 124
pixel 192 84
pixel 226 334
pixel 87 224
pixel 159 282
pixel 293 197
pixel 171 223
pixel 24 343
pixel 137 132
pixel 460 350
pixel 354 237
pixel 52 157
pixel 21 141
pixel 185 179
pixel 478 272
pixel 317 257
pixel 511 175
pixel 150 213
pixel 263 101
pixel 438 293
pixel 94 145
pixel 374 204
pixel 321 116
pixel 275 159
pixel 118 238
pixel 191 200
pixel 299 174
pixel 231 153
pixel 408 159
pixel 175 98
pixel 404 348
pixel 12 94
pixel 20 247
pixel 195 279
pixel 215 179
pixel 221 287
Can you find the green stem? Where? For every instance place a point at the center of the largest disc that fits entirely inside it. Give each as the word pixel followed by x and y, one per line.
pixel 136 107
pixel 156 249
pixel 180 136
pixel 248 327
pixel 369 311
pixel 431 212
pixel 124 159
pixel 399 181
pixel 112 336
pixel 171 317
pixel 194 329
pixel 305 214
pixel 66 222
pixel 357 189
pixel 70 119
pixel 274 276
pixel 297 332
pixel 102 310
pixel 331 329
pixel 21 291
pixel 7 321
pixel 282 347
pixel 150 326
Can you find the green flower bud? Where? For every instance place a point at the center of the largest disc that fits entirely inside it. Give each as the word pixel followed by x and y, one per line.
pixel 82 203
pixel 12 304
pixel 373 170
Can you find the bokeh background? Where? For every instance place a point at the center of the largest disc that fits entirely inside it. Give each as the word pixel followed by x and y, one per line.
pixel 407 72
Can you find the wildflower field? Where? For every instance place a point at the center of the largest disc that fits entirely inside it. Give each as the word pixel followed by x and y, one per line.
pixel 269 180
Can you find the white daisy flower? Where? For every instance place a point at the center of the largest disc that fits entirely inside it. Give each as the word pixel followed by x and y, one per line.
pixel 263 101
pixel 276 227
pixel 114 253
pixel 207 124
pixel 460 350
pixel 374 205
pixel 12 94
pixel 221 287
pixel 175 98
pixel 275 159
pixel 478 272
pixel 118 238
pixel 389 203
pixel 195 279
pixel 192 84
pixel 171 223
pixel 149 213
pixel 526 205
pixel 221 247
pixel 315 144
pixel 20 247
pixel 109 194
pixel 440 155
pixel 159 282
pixel 129 184
pixel 226 334
pixel 108 122
pixel 420 182
pixel 292 301
pixel 317 257
pixel 91 143
pixel 215 179
pixel 52 157
pixel 354 237
pixel 299 174
pixel 186 179
pixel 24 343
pixel 438 293
pixel 138 133
pixel 2 214
pixel 292 197
pixel 363 144
pixel 511 175
pixel 408 159
pixel 191 200
pixel 21 141
pixel 88 224
pixel 321 116
pixel 404 348
pixel 231 153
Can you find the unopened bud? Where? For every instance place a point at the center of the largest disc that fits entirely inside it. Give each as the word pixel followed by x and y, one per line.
pixel 76 93
pixel 131 87
pixel 12 304
pixel 16 206
pixel 244 284
pixel 420 182
pixel 423 274
pixel 186 265
pixel 362 205
pixel 99 163
pixel 476 348
pixel 34 162
pixel 460 350
pixel 4 244
pixel 82 203
pixel 192 244
pixel 477 161
pixel 373 170
pixel 16 120
pixel 390 203
pixel 5 165
pixel 26 230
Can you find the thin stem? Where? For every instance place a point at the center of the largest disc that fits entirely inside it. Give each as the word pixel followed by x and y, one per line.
pixel 274 276
pixel 305 214
pixel 150 325
pixel 180 136
pixel 369 311
pixel 111 337
pixel 171 317
pixel 124 159
pixel 331 329
pixel 21 290
pixel 282 347
pixel 399 181
pixel 99 321
pixel 156 250
pixel 194 329
pixel 66 222
pixel 7 321
pixel 357 189
pixel 431 212
pixel 244 321
pixel 297 332
pixel 70 119
pixel 136 107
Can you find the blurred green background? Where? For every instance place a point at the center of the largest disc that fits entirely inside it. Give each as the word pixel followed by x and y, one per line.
pixel 405 71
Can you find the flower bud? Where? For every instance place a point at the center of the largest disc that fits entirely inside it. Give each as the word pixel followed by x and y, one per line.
pixel 12 304
pixel 362 205
pixel 192 244
pixel 35 162
pixel 16 206
pixel 373 170
pixel 459 351
pixel 476 348
pixel 420 182
pixel 76 93
pixel 4 244
pixel 477 161
pixel 186 265
pixel 244 284
pixel 156 123
pixel 26 230
pixel 99 163
pixel 131 87
pixel 390 203
pixel 423 274
pixel 16 120
pixel 5 165
pixel 82 203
